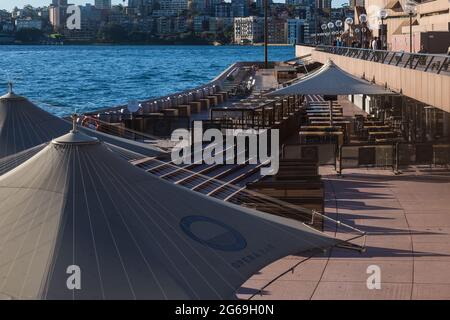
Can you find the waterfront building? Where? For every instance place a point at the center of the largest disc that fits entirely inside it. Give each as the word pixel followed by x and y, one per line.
pixel 118 16
pixel 294 2
pixel 198 6
pixel 251 30
pixel 248 30
pixel 297 31
pixel 430 29
pixel 59 3
pixel 143 23
pixel 216 25
pixel 277 31
pixel 223 10
pixel 213 25
pixel 57 17
pixel 91 19
pixel 135 3
pixel 210 6
pixel 173 7
pixel 323 4
pixel 240 8
pixel 103 4
pixel 260 5
pixel 200 23
pixel 4 15
pixel 179 24
pixel 29 23
pixel 163 26
pixel 6 24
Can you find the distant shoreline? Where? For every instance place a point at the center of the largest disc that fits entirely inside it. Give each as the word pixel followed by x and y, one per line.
pixel 143 44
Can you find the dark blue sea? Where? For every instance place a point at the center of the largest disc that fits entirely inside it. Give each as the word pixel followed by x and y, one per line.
pixel 63 79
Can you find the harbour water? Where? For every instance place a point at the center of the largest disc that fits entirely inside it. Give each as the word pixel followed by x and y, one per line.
pixel 63 79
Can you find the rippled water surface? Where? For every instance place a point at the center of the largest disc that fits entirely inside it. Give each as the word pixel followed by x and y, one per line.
pixel 63 79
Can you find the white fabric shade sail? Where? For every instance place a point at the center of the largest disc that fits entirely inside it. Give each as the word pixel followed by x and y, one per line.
pixel 24 125
pixel 331 80
pixel 132 235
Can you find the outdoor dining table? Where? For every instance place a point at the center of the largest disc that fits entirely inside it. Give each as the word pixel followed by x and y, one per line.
pixel 321 136
pixel 338 122
pixel 335 118
pixel 377 128
pixel 373 123
pixel 320 103
pixel 373 135
pixel 324 111
pixel 323 114
pixel 323 108
pixel 320 128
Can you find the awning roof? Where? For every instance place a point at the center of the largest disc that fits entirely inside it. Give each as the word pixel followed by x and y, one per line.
pixel 132 235
pixel 24 125
pixel 331 80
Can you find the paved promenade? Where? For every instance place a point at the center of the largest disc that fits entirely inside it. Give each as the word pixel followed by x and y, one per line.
pixel 407 218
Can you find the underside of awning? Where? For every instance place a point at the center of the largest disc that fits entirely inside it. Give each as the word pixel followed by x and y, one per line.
pixel 331 80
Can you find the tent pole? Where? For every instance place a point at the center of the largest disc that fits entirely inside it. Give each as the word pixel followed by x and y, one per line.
pixel 266 34
pixel 331 113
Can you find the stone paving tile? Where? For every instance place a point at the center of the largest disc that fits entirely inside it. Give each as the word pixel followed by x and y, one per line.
pixel 308 270
pixel 391 252
pixel 432 272
pixel 431 234
pixel 356 271
pixel 407 220
pixel 359 291
pixel 279 290
pixel 429 220
pixel 431 291
pixel 432 251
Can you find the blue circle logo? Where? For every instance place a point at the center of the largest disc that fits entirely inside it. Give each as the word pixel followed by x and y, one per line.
pixel 213 233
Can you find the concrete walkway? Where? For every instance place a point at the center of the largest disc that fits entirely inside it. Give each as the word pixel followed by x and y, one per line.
pixel 407 218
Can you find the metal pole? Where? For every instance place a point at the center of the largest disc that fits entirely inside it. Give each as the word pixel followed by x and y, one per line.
pixel 266 35
pixel 410 40
pixel 361 41
pixel 315 25
pixel 331 113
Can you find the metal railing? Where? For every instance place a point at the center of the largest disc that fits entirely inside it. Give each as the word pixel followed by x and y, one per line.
pixel 393 156
pixel 434 63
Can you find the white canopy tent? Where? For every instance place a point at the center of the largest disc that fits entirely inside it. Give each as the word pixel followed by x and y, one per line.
pixel 24 125
pixel 331 80
pixel 132 236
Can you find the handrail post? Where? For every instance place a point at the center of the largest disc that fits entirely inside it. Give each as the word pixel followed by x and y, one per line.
pixel 339 167
pixel 397 158
pixel 429 63
pixel 442 65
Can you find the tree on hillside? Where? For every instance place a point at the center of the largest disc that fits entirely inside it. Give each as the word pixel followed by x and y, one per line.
pixel 113 33
pixel 29 35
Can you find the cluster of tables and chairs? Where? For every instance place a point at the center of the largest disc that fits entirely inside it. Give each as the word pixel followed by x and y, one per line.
pixel 374 131
pixel 321 126
pixel 258 110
